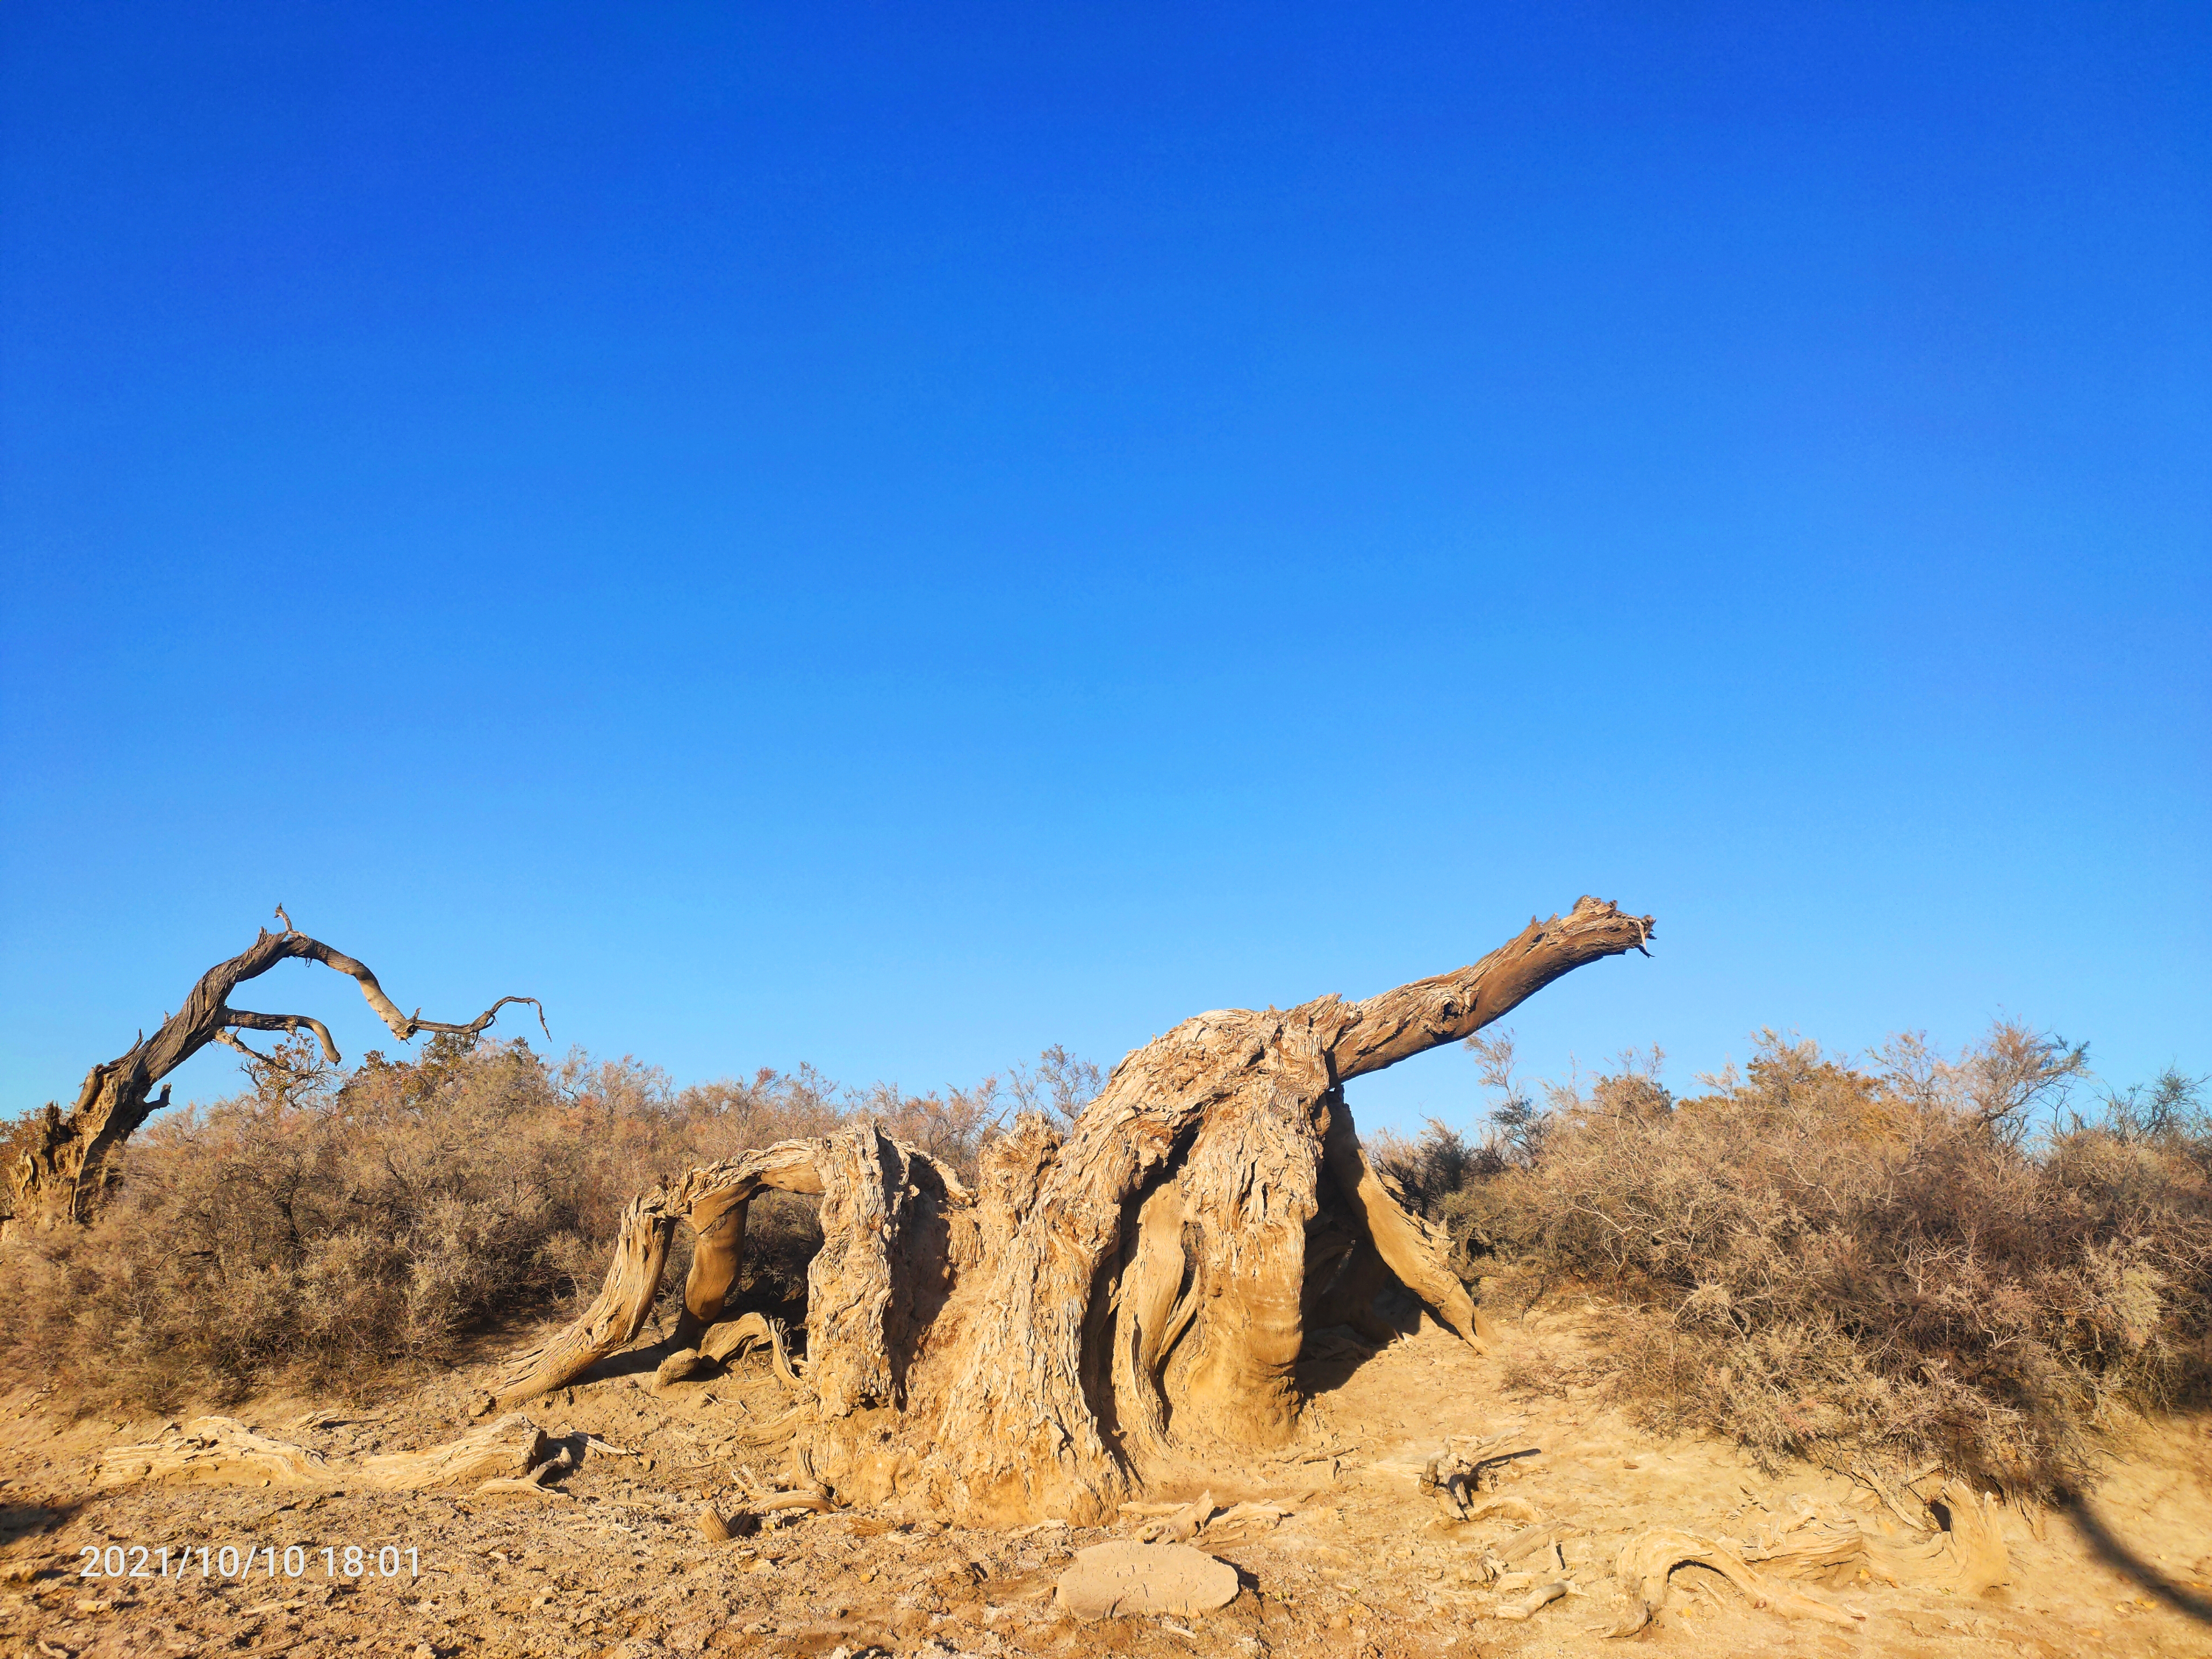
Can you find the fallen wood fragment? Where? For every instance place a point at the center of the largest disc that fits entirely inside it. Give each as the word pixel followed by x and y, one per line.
pixel 1542 1596
pixel 223 1451
pixel 1507 1508
pixel 733 1338
pixel 533 1485
pixel 1646 1560
pixel 217 1451
pixel 1239 1523
pixel 1176 1525
pixel 512 1445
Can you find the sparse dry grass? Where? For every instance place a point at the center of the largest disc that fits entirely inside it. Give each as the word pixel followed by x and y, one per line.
pixel 1880 1262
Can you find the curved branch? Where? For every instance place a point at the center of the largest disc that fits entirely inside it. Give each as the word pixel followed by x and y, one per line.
pixel 1398 1024
pixel 402 1026
pixel 252 1054
pixel 205 1012
pixel 241 1020
pixel 72 1154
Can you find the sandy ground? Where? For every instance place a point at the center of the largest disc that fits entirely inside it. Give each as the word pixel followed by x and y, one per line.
pixel 613 1563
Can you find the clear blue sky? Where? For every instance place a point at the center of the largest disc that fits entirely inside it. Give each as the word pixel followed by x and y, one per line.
pixel 893 537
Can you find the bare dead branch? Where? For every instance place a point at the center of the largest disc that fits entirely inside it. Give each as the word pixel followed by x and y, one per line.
pixel 255 1055
pixel 240 1019
pixel 66 1172
pixel 1399 1023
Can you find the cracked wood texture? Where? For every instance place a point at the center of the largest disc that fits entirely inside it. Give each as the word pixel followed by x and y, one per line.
pixel 1110 1306
pixel 871 1289
pixel 68 1170
pixel 1243 1114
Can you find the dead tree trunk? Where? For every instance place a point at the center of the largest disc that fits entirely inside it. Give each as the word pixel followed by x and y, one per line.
pixel 1236 1123
pixel 872 1290
pixel 1107 1306
pixel 69 1169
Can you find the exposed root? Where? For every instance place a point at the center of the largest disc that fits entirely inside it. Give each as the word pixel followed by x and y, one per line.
pixel 732 1339
pixel 1542 1596
pixel 1646 1560
pixel 533 1485
pixel 223 1451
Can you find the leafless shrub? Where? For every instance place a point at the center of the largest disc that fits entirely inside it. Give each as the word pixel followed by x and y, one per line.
pixel 1886 1262
pixel 343 1231
pixel 1060 1088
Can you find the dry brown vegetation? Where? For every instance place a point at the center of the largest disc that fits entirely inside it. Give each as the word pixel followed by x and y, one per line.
pixel 1889 1262
pixel 1905 1261
pixel 346 1231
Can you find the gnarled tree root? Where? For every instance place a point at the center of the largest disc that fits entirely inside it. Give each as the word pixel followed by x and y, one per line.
pixel 1646 1560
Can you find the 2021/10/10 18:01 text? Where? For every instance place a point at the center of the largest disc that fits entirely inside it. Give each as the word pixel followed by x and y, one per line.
pixel 236 1561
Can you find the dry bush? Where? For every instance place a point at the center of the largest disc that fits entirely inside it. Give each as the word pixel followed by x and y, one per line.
pixel 1886 1262
pixel 345 1230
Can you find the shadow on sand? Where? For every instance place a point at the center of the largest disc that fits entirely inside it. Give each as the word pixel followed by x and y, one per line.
pixel 2130 1565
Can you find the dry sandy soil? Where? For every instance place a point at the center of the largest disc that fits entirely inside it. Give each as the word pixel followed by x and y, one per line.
pixel 613 1562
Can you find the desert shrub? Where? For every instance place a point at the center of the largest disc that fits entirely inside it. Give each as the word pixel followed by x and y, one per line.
pixel 345 1230
pixel 1910 1260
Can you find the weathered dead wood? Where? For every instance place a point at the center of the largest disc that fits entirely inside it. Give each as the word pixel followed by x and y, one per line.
pixel 615 1316
pixel 1646 1560
pixel 223 1451
pixel 67 1173
pixel 1243 1114
pixel 216 1451
pixel 872 1288
pixel 1537 1599
pixel 1968 1556
pixel 732 1339
pixel 507 1448
pixel 1107 1304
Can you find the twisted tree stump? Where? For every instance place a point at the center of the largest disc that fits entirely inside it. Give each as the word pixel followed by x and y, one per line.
pixel 1105 1305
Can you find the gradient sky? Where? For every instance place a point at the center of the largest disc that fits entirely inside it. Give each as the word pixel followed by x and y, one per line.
pixel 891 537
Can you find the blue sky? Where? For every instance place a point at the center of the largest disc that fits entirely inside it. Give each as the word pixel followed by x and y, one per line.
pixel 891 537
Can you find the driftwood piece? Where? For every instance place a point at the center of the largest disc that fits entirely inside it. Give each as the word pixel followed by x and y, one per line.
pixel 68 1171
pixel 1239 1524
pixel 532 1485
pixel 217 1451
pixel 511 1446
pixel 223 1451
pixel 1542 1596
pixel 1646 1559
pixel 1171 1523
pixel 732 1340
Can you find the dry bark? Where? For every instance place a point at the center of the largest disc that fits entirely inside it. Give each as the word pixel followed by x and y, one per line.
pixel 1105 1305
pixel 1243 1113
pixel 223 1452
pixel 871 1289
pixel 1647 1559
pixel 68 1170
